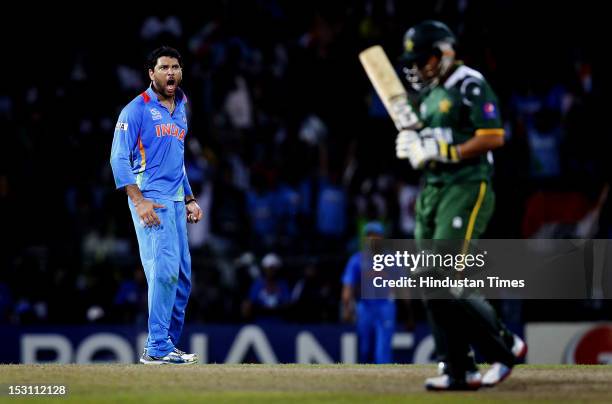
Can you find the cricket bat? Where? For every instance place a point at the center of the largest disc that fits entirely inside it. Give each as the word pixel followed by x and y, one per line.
pixel 389 87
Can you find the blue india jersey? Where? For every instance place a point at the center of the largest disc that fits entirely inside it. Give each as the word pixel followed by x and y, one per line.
pixel 352 271
pixel 353 276
pixel 149 147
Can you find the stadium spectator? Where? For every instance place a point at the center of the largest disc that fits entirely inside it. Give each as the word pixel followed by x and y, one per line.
pixel 312 297
pixel 269 296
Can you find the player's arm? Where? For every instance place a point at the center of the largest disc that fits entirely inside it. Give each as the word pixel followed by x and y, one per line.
pixel 186 186
pixel 349 280
pixel 484 115
pixel 125 140
pixel 347 302
pixel 145 208
pixel 434 144
pixel 193 210
pixel 480 144
pixel 435 148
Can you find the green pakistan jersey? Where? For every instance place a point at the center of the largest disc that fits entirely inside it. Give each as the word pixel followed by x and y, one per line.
pixel 462 107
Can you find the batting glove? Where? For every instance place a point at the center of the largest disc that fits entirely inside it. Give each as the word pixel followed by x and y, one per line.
pixel 439 150
pixel 408 145
pixel 421 148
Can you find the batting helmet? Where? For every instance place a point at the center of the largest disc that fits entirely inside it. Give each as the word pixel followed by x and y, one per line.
pixel 426 39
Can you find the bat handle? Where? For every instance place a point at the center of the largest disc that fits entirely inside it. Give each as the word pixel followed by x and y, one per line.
pixel 403 115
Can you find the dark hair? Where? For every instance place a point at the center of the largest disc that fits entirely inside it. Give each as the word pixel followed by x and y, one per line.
pixel 162 51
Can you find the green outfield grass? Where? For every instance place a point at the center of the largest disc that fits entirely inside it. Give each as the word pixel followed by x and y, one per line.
pixel 298 384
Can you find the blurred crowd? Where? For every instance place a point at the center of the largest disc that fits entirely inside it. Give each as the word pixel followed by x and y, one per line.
pixel 289 151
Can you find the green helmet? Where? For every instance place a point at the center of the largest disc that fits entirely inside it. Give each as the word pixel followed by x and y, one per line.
pixel 425 39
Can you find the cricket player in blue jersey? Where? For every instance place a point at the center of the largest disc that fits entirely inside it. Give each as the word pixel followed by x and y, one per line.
pixel 375 317
pixel 147 159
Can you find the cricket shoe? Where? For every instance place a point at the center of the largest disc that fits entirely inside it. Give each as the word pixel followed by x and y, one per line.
pixel 172 358
pixel 472 382
pixel 499 371
pixel 443 369
pixel 185 355
pixel 519 348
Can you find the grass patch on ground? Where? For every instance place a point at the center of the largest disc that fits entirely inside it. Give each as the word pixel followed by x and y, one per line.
pixel 298 384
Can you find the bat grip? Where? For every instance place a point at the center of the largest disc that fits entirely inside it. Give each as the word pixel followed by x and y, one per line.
pixel 403 115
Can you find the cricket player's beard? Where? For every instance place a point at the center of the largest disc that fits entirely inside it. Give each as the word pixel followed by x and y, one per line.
pixel 166 89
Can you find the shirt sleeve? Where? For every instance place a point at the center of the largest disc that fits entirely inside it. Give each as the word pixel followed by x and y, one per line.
pixel 124 143
pixel 484 108
pixel 351 272
pixel 186 187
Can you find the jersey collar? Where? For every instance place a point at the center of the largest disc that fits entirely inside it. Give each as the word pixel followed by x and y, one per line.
pixel 453 69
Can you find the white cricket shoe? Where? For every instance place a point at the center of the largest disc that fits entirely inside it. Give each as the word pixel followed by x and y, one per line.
pixel 172 358
pixel 186 356
pixel 496 374
pixel 519 347
pixel 472 381
pixel 499 371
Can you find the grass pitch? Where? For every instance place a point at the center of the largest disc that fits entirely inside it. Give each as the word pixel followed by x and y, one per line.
pixel 298 384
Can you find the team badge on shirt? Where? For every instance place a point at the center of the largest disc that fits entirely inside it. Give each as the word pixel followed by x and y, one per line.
pixel 155 114
pixel 444 106
pixel 490 112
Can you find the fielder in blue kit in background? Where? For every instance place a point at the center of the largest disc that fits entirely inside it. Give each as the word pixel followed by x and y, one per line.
pixel 147 159
pixel 375 317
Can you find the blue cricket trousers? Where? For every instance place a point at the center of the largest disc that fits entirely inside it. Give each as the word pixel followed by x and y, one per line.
pixel 164 253
pixel 375 328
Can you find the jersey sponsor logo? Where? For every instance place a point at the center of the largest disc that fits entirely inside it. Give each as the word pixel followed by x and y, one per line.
pixel 155 114
pixel 170 129
pixel 490 112
pixel 121 126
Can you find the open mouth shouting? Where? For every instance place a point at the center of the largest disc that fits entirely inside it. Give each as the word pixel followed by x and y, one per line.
pixel 171 86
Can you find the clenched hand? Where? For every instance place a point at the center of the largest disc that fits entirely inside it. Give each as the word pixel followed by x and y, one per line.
pixel 194 212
